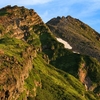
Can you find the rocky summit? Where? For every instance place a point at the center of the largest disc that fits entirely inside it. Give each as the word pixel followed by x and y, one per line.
pixel 17 20
pixel 34 65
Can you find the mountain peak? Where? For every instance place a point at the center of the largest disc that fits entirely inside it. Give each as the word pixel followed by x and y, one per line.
pixel 79 35
pixel 18 20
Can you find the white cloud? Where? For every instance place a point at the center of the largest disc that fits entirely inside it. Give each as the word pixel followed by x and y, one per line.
pixel 23 2
pixel 33 2
pixel 84 8
pixel 90 9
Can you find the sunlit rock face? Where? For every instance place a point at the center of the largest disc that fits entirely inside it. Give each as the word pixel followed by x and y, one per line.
pixel 18 21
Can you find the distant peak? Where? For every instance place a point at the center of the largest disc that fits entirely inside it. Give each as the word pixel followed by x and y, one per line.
pixel 18 19
pixel 63 17
pixel 15 12
pixel 69 17
pixel 58 17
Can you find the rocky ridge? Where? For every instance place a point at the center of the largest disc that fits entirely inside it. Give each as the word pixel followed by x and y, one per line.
pixel 80 36
pixel 17 21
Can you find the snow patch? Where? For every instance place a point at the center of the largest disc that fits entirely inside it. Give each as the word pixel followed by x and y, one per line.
pixel 66 44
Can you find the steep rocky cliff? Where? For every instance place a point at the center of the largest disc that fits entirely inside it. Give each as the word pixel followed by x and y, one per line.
pixel 35 66
pixel 13 75
pixel 16 56
pixel 18 21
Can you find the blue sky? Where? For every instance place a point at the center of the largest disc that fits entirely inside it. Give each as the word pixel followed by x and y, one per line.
pixel 87 11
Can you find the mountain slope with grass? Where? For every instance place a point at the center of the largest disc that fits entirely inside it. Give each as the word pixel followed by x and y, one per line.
pixel 35 66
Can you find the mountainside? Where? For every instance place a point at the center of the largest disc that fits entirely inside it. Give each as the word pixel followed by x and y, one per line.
pixel 35 66
pixel 80 36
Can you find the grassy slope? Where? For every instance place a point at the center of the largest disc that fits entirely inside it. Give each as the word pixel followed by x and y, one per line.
pixel 12 47
pixel 56 84
pixel 64 59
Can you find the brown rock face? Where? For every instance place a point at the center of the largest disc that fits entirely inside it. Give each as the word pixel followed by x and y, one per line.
pixel 14 74
pixel 17 21
pixel 84 78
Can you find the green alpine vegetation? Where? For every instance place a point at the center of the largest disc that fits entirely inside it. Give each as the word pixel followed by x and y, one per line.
pixel 35 66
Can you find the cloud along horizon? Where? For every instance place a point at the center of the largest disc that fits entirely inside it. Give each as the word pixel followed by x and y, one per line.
pixel 23 2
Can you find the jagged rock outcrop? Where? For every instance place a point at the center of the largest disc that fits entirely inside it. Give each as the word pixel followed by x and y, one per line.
pixel 14 74
pixel 17 21
pixel 84 78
